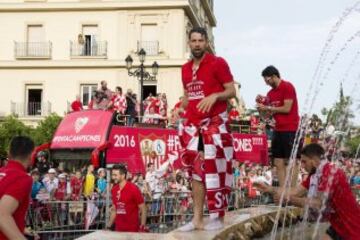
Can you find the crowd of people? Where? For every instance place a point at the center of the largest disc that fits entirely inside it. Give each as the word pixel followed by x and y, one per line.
pixel 156 109
pixel 127 105
pixel 211 174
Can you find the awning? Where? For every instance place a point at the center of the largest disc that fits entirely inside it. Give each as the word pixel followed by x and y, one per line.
pixel 83 130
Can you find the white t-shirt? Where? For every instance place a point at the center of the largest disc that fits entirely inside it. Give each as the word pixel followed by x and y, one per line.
pixel 151 179
pixel 50 185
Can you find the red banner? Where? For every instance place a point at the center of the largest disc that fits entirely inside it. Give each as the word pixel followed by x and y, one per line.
pixel 83 129
pixel 139 146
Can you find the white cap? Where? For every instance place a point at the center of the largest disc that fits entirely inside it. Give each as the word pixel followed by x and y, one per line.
pixel 100 169
pixel 52 170
pixel 62 175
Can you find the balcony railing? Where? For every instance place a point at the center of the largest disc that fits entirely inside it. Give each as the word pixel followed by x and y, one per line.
pixel 33 49
pixel 35 109
pixel 88 49
pixel 151 47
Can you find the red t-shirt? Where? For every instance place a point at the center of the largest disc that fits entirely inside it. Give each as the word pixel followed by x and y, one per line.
pixel 76 106
pixel 234 115
pixel 213 72
pixel 155 103
pixel 254 122
pixel 344 213
pixel 277 96
pixel 76 187
pixel 16 183
pixel 60 192
pixel 126 202
pixel 177 105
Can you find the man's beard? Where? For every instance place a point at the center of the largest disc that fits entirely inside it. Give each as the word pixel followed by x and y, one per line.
pixel 104 88
pixel 197 54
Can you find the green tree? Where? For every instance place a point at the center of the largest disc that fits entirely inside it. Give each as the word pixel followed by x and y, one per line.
pixel 340 114
pixel 354 144
pixel 9 128
pixel 46 129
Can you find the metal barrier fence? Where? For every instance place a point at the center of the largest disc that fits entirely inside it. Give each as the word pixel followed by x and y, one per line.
pixel 66 219
pixel 165 212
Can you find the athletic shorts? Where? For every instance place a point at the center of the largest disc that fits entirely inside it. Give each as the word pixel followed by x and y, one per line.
pixel 282 145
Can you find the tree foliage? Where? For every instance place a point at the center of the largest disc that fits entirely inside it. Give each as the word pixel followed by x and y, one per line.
pixel 11 127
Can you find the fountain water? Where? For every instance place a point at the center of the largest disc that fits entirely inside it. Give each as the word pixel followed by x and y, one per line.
pixel 318 78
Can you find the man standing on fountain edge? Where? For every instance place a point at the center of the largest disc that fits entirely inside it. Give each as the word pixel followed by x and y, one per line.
pixel 205 133
pixel 281 102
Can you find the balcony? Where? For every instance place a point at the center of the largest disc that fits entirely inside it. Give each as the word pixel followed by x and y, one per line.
pixel 88 49
pixel 33 50
pixel 151 47
pixel 31 109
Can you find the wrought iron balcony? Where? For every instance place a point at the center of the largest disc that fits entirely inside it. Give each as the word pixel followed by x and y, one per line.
pixel 33 49
pixel 31 109
pixel 88 49
pixel 151 47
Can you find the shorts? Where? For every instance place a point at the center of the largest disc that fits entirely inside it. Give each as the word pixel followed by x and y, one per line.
pixel 282 145
pixel 333 234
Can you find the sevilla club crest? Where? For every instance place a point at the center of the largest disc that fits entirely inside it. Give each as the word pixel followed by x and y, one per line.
pixel 153 149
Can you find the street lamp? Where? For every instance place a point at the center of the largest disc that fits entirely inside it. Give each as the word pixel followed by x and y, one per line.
pixel 141 74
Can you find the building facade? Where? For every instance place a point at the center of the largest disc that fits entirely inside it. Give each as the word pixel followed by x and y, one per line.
pixel 53 50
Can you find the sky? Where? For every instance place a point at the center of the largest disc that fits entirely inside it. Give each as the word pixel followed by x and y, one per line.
pixel 290 35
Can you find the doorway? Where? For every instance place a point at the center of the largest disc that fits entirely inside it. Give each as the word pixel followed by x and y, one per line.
pixel 34 101
pixel 149 89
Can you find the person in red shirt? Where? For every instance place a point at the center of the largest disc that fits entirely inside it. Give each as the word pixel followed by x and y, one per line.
pixel 208 84
pixel 283 105
pixel 77 105
pixel 254 123
pixel 61 191
pixel 234 114
pixel 178 105
pixel 325 191
pixel 127 201
pixel 76 183
pixel 118 102
pixel 15 189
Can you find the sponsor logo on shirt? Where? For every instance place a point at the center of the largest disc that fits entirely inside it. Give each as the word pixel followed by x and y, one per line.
pixel 195 90
pixel 120 208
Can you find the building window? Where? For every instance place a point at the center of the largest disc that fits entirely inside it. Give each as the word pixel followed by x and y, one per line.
pixel 35 33
pixel 34 100
pixel 149 39
pixel 87 92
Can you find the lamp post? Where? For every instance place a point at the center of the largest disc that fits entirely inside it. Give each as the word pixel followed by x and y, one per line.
pixel 141 74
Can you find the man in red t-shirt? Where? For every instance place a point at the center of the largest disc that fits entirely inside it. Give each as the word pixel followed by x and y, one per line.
pixel 15 189
pixel 205 133
pixel 282 104
pixel 325 184
pixel 77 105
pixel 76 183
pixel 127 201
pixel 234 114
